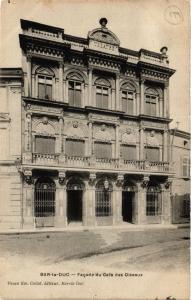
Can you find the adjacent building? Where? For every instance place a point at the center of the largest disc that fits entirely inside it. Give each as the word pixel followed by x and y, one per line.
pixel 91 141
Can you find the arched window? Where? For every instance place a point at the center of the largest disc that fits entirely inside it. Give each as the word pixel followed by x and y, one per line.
pixel 128 98
pixel 75 82
pixel 151 102
pixel 103 198
pixel 153 201
pixel 45 198
pixel 102 93
pixel 45 83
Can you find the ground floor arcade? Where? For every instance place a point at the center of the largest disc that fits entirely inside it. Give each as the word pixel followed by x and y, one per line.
pixel 61 198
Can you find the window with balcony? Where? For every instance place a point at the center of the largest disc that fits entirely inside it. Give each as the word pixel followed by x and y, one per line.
pixel 102 93
pixel 75 93
pixel 103 150
pixel 185 167
pixel 153 201
pixel 75 147
pixel 45 145
pixel 45 87
pixel 152 153
pixel 151 102
pixel 128 152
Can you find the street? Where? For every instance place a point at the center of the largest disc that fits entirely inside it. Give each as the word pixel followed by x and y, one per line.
pixel 151 254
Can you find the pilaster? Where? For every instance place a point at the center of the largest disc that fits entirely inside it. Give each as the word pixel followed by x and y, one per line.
pixel 166 202
pixel 61 201
pixel 117 200
pixel 28 200
pixel 89 201
pixel 140 201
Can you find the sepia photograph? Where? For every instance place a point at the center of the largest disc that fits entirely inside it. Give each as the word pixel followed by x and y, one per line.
pixel 94 150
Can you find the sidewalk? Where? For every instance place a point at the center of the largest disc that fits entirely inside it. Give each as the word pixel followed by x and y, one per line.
pixel 80 228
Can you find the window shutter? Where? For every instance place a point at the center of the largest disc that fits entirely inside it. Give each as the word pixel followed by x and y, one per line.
pixel 128 152
pixel 45 145
pixel 75 147
pixel 103 150
pixel 152 154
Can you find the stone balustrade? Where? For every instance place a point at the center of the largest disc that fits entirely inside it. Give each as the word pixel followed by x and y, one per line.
pixel 99 163
pixel 45 159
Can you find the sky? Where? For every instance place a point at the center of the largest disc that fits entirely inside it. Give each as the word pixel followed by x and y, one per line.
pixel 148 24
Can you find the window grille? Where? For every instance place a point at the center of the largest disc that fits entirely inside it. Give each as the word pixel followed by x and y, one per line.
pixel 103 201
pixel 44 145
pixel 44 87
pixel 45 199
pixel 128 152
pixel 153 201
pixel 75 93
pixel 75 147
pixel 152 153
pixel 103 150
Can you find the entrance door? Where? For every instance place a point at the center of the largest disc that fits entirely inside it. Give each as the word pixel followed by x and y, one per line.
pixel 127 206
pixel 74 206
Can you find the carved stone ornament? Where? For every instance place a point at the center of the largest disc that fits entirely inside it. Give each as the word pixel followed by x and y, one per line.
pixel 28 176
pixel 61 177
pixel 168 183
pixel 92 178
pixel 120 180
pixel 75 124
pixel 145 182
pixel 45 120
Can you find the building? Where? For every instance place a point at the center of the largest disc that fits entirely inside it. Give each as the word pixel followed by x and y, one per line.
pixel 180 153
pixel 94 129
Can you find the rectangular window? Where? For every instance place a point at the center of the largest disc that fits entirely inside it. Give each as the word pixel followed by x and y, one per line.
pixel 186 167
pixel 128 152
pixel 75 147
pixel 152 154
pixel 44 87
pixel 103 150
pixel 127 102
pixel 102 94
pixel 44 145
pixel 150 105
pixel 74 93
pixel 153 204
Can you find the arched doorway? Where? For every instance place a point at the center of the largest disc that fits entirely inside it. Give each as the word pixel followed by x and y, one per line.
pixel 44 204
pixel 128 202
pixel 75 189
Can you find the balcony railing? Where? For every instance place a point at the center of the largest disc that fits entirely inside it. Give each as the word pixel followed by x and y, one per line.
pixel 97 163
pixel 45 159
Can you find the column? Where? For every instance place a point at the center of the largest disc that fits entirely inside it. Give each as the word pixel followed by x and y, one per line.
pixel 33 86
pixel 60 81
pixel 117 98
pixel 85 95
pixel 142 82
pixel 166 202
pixel 161 107
pixel 141 144
pixel 117 200
pixel 90 139
pixel 65 91
pixel 61 201
pixel 113 106
pixel 140 201
pixel 165 145
pixel 28 200
pixel 117 148
pixel 138 103
pixel 29 75
pixel 166 101
pixel 61 122
pixel 89 218
pixel 90 100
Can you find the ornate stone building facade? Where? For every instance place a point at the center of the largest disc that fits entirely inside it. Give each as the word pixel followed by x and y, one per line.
pixel 94 131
